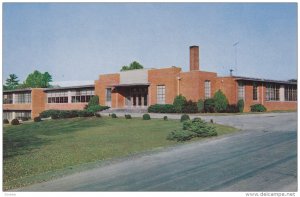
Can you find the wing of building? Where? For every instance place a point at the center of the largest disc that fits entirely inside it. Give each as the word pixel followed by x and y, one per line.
pixel 144 87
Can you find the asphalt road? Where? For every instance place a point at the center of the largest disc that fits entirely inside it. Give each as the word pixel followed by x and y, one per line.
pixel 262 157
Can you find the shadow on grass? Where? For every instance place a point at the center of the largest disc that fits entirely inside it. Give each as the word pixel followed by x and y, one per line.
pixel 21 139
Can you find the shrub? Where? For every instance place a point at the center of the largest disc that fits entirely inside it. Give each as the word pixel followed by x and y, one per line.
pixel 55 116
pixel 37 119
pixel 96 108
pixel 5 121
pixel 85 113
pixel 24 118
pixel 200 105
pixel 184 117
pixel 127 116
pixel 93 101
pixel 161 108
pixel 209 105
pixel 190 107
pixel 165 117
pixel 178 103
pixel 98 115
pixel 221 101
pixel 200 128
pixel 146 117
pixel 113 115
pixel 49 113
pixel 15 122
pixel 258 108
pixel 232 108
pixel 240 105
pixel 180 136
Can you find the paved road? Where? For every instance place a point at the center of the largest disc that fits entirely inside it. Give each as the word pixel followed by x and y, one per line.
pixel 262 157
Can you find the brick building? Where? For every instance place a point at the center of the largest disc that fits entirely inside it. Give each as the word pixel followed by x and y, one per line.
pixel 144 87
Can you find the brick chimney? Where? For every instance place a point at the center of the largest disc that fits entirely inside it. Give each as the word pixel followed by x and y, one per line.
pixel 194 58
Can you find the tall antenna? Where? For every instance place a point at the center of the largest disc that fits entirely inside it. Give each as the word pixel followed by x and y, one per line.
pixel 235 54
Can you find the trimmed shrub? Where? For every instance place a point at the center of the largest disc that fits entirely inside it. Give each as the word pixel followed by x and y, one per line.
pixel 200 105
pixel 200 128
pixel 165 117
pixel 37 119
pixel 98 115
pixel 127 116
pixel 55 116
pixel 24 118
pixel 96 108
pixel 221 101
pixel 146 117
pixel 85 113
pixel 5 121
pixel 184 117
pixel 180 136
pixel 15 122
pixel 49 113
pixel 178 103
pixel 209 105
pixel 193 128
pixel 240 105
pixel 161 108
pixel 189 107
pixel 113 115
pixel 232 108
pixel 258 108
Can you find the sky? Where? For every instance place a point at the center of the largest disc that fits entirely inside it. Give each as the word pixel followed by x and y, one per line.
pixel 80 41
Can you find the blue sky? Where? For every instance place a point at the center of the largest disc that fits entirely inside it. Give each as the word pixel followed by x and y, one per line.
pixel 80 41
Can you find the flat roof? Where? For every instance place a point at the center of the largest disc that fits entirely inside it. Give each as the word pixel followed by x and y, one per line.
pixel 51 89
pixel 70 87
pixel 130 85
pixel 264 80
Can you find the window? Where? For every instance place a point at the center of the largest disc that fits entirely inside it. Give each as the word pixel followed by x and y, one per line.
pixel 272 92
pixel 290 93
pixel 23 98
pixel 82 96
pixel 7 98
pixel 57 97
pixel 108 94
pixel 161 94
pixel 207 89
pixel 22 114
pixel 8 115
pixel 241 91
pixel 255 92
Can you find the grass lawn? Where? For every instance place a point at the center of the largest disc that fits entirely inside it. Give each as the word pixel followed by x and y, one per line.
pixel 35 152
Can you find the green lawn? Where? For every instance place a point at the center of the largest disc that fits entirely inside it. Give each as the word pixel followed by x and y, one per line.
pixel 35 152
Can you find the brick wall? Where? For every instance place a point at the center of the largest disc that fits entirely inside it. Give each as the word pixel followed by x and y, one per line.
pixel 38 102
pixel 167 77
pixel 101 85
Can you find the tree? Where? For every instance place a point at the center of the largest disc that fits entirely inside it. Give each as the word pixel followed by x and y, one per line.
pixel 179 102
pixel 134 65
pixel 38 80
pixel 221 101
pixel 12 82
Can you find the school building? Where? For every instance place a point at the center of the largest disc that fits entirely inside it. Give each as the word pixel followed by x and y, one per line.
pixel 138 89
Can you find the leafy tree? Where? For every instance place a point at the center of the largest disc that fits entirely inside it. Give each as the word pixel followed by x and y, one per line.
pixel 134 65
pixel 12 82
pixel 38 80
pixel 221 101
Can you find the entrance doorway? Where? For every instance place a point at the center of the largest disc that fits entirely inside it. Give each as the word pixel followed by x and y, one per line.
pixel 136 97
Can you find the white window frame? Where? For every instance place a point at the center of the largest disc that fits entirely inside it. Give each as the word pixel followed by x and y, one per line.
pixel 241 90
pixel 161 94
pixel 207 89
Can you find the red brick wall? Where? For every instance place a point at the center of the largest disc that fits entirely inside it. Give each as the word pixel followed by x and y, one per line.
pixel 38 101
pixel 192 84
pixel 228 86
pixel 101 85
pixel 19 106
pixel 167 77
pixel 65 106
